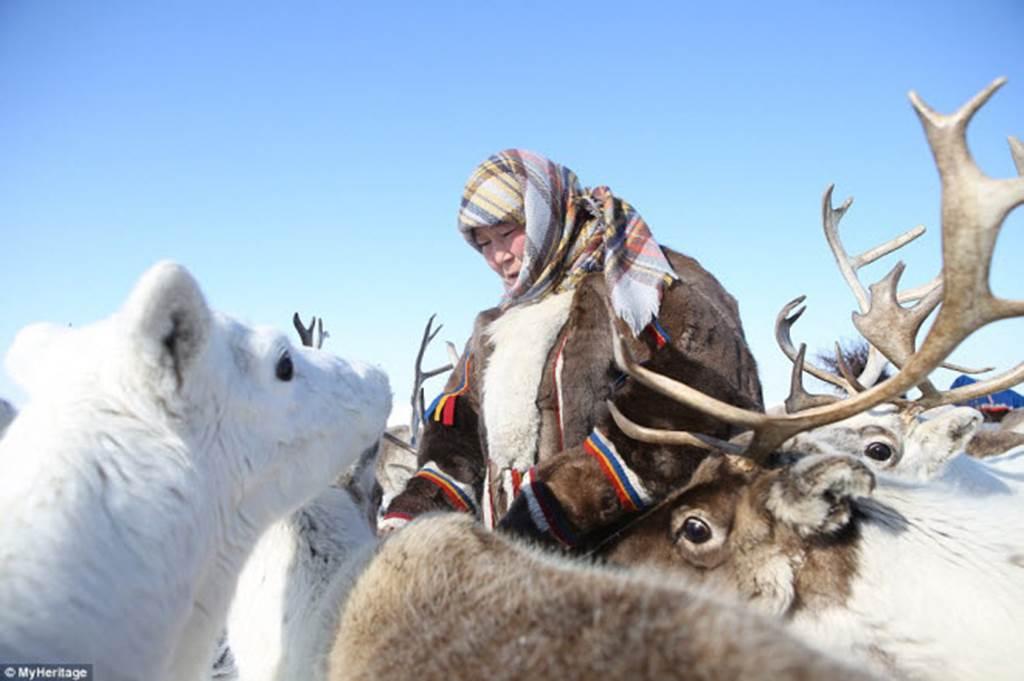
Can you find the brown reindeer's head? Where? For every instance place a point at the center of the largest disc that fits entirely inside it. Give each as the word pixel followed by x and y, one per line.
pixel 780 537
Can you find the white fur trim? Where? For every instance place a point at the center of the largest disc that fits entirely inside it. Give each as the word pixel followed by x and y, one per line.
pixel 522 339
pixel 559 365
pixel 392 523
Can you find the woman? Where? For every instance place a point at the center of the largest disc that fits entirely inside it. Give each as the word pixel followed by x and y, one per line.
pixel 521 435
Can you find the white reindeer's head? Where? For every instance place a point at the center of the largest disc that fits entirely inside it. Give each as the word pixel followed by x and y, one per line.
pixel 276 422
pixel 907 443
pixel 156 446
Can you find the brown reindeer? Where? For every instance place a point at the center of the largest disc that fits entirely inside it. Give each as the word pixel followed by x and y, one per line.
pixel 919 581
pixel 495 609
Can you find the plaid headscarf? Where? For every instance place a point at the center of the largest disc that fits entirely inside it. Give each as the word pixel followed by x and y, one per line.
pixel 570 231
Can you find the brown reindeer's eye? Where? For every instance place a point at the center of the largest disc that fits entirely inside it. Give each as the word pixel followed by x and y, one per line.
pixel 284 369
pixel 879 451
pixel 695 530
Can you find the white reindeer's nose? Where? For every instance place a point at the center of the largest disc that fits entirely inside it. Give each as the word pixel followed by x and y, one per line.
pixel 374 386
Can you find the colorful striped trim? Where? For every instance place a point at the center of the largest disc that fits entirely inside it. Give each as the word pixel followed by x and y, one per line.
pixel 393 521
pixel 625 482
pixel 661 337
pixel 459 494
pixel 545 511
pixel 442 409
pixel 517 482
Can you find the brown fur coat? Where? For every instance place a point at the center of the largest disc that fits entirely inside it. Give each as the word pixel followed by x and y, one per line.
pixel 539 376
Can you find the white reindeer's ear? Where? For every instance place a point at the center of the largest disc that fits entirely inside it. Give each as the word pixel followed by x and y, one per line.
pixel 814 494
pixel 167 319
pixel 34 358
pixel 944 433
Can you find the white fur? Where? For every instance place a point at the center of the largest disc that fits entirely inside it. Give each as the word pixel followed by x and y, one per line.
pixel 522 339
pixel 939 588
pixel 284 616
pixel 157 445
pixel 995 475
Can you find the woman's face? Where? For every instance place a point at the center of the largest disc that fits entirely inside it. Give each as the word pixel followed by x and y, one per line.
pixel 502 247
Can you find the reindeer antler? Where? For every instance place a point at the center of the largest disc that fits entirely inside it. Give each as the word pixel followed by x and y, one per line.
pixel 306 333
pixel 418 403
pixel 974 208
pixel 1017 152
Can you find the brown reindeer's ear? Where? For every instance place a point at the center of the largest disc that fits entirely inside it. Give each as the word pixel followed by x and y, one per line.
pixel 814 494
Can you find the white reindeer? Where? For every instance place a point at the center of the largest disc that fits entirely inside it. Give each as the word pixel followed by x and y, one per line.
pixel 285 611
pixel 156 447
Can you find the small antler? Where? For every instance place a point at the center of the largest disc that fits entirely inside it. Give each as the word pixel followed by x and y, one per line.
pixel 418 404
pixel 783 325
pixel 799 399
pixel 306 333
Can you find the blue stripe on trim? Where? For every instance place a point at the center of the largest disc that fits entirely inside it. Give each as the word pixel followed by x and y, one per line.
pixel 613 460
pixel 456 486
pixel 661 331
pixel 428 414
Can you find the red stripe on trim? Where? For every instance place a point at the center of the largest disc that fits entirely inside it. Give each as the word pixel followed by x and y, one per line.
pixel 659 340
pixel 446 488
pixel 517 482
pixel 448 411
pixel 609 473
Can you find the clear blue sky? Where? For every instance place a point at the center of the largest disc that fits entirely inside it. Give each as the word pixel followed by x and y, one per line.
pixel 309 156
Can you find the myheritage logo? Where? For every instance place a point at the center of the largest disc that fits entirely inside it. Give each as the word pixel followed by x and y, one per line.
pixel 38 671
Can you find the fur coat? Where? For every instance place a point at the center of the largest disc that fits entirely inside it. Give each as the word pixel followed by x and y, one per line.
pixel 522 437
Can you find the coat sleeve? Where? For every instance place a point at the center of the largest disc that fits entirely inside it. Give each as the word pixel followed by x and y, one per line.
pixel 450 455
pixel 577 495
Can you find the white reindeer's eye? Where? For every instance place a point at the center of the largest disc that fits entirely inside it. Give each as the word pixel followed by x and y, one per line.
pixel 695 530
pixel 284 369
pixel 879 451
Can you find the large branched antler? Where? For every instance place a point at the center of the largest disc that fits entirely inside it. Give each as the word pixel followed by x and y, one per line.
pixel 974 208
pixel 849 266
pixel 889 327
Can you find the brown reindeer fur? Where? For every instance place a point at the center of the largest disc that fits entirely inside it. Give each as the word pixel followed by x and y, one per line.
pixel 1013 420
pixel 731 493
pixel 992 442
pixel 445 599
